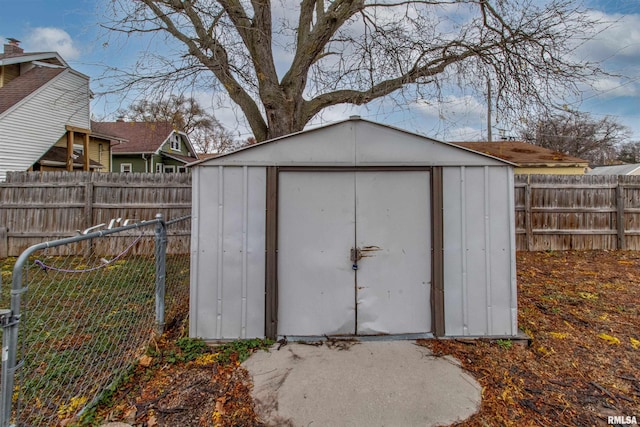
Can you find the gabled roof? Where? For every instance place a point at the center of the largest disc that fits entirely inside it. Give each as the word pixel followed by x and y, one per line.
pixel 24 85
pixel 524 154
pixel 20 58
pixel 615 170
pixel 354 142
pixel 143 137
pixel 179 157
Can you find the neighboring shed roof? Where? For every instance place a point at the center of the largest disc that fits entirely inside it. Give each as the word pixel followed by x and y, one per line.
pixel 354 142
pixel 615 170
pixel 524 154
pixel 26 84
pixel 143 137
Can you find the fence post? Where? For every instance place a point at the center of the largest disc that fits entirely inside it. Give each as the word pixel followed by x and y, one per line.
pixel 161 270
pixel 88 214
pixel 4 243
pixel 528 225
pixel 620 215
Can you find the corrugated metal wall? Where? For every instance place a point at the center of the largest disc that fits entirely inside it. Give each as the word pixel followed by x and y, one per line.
pixel 229 227
pixel 479 251
pixel 228 254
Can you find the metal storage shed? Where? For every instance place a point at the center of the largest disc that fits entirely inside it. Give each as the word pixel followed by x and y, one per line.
pixel 354 228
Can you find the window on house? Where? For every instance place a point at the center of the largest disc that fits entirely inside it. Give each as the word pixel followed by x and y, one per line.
pixel 125 168
pixel 175 142
pixel 159 167
pixel 78 148
pixel 182 169
pixel 170 169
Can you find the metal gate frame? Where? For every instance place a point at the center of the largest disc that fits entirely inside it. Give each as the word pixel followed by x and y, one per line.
pixel 271 239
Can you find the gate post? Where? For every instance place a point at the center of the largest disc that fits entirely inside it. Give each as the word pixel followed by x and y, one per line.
pixel 8 369
pixel 10 320
pixel 161 271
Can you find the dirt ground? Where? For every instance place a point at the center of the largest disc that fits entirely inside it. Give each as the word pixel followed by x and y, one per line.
pixel 581 310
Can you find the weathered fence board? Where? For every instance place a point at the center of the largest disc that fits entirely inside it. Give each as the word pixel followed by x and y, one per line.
pixel 552 212
pixel 555 212
pixel 41 206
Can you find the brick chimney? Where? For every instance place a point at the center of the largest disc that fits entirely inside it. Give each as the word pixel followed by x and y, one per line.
pixel 13 47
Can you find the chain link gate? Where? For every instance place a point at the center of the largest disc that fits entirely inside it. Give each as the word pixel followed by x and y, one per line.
pixel 81 313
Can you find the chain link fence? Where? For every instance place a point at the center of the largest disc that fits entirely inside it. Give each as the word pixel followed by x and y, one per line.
pixel 82 311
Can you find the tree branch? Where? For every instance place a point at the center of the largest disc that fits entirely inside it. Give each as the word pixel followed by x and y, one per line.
pixel 218 62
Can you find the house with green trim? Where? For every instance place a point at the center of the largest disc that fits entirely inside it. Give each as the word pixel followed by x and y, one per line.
pixel 155 147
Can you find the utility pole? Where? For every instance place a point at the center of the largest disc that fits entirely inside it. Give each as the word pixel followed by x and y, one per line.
pixel 489 110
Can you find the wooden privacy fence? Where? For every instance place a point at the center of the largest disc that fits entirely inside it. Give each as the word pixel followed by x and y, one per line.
pixel 41 206
pixel 558 212
pixel 553 212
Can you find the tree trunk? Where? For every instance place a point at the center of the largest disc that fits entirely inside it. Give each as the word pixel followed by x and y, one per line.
pixel 283 118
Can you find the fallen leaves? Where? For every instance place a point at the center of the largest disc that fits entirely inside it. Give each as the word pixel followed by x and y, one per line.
pixel 609 339
pixel 145 361
pixel 206 391
pixel 558 335
pixel 581 309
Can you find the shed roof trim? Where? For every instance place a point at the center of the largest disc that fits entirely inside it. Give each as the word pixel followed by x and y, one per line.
pixel 355 142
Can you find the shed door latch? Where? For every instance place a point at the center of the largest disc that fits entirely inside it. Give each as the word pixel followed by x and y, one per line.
pixel 355 256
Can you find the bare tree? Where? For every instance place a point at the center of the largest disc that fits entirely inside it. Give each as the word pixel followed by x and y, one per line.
pixel 282 64
pixel 629 152
pixel 186 114
pixel 579 135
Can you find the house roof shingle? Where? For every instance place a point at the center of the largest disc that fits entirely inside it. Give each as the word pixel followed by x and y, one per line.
pixel 143 137
pixel 24 85
pixel 524 154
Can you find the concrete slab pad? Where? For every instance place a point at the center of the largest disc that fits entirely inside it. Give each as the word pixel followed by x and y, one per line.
pixel 387 383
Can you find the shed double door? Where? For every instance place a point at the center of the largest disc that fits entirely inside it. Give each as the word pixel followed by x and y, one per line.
pixel 354 252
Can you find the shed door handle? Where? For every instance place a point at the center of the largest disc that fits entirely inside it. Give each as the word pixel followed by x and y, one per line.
pixel 356 255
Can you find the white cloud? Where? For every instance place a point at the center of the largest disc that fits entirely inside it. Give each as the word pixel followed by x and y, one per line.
pixel 49 39
pixel 465 133
pixel 612 87
pixel 618 38
pixel 452 107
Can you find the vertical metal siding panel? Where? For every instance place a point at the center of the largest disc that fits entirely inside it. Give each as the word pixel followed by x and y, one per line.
pixel 256 245
pixel 220 253
pixel 195 251
pixel 245 226
pixel 488 253
pixel 232 253
pixel 207 198
pixel 475 251
pixel 453 251
pixel 463 251
pixel 512 250
pixel 502 254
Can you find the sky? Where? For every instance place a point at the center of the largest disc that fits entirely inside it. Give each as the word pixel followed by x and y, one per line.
pixel 71 27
